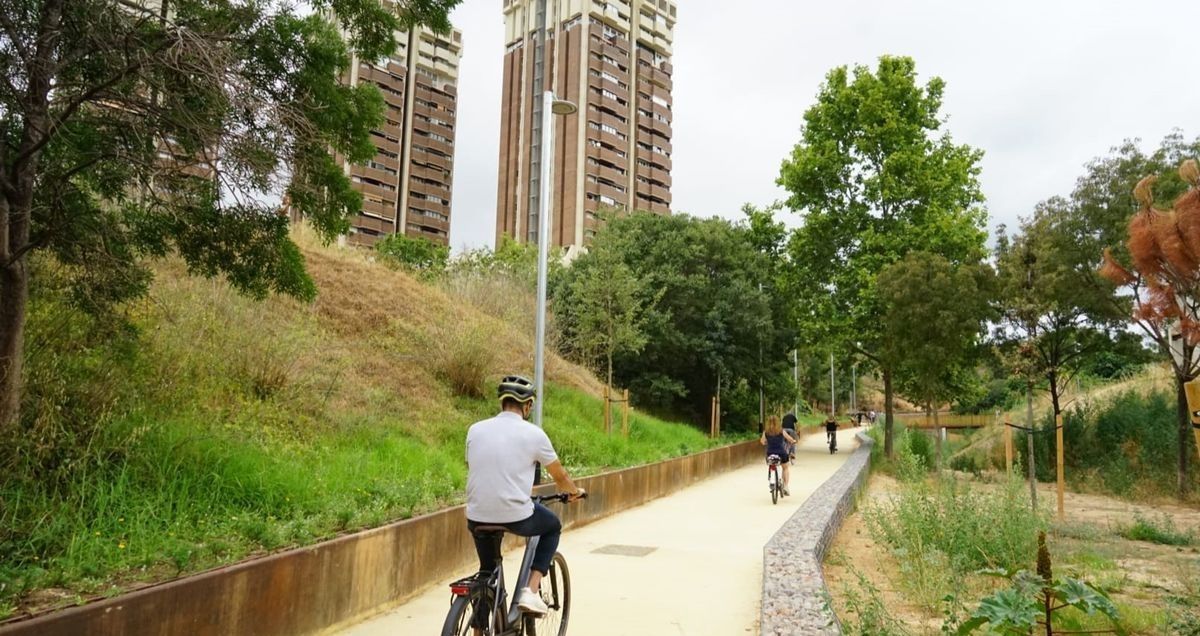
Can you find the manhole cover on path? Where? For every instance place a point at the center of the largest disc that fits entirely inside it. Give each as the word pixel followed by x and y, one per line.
pixel 625 550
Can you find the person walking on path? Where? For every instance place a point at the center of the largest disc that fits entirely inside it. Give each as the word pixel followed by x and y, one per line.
pixel 777 440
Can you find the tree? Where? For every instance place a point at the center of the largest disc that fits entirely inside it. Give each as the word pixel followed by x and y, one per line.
pixel 607 304
pixel 1055 306
pixel 132 129
pixel 1163 284
pixel 1101 208
pixel 709 320
pixel 934 314
pixel 874 180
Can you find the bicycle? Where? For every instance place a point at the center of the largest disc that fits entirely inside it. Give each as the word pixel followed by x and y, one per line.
pixel 477 608
pixel 773 480
pixel 832 442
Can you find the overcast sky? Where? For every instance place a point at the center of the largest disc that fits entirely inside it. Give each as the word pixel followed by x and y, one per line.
pixel 1040 86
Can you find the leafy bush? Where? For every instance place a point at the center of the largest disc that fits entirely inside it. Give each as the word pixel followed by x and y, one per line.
pixel 1127 447
pixel 413 253
pixel 1162 531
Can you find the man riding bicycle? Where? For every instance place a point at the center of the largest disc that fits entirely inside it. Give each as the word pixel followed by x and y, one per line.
pixel 831 427
pixel 502 456
pixel 789 425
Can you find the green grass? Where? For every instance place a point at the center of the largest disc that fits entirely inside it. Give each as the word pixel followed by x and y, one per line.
pixel 185 496
pixel 1161 531
pixel 214 428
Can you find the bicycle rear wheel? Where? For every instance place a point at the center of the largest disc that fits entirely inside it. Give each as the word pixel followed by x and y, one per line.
pixel 556 592
pixel 774 478
pixel 470 612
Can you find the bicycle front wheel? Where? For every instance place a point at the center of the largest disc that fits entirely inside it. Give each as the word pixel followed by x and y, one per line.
pixel 470 615
pixel 556 592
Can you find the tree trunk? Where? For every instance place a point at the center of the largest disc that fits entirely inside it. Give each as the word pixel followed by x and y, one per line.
pixel 1054 389
pixel 1029 445
pixel 888 409
pixel 14 295
pixel 1185 436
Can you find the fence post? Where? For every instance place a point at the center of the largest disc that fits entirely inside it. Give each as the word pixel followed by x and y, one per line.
pixel 625 415
pixel 607 411
pixel 712 418
pixel 1058 434
pixel 718 417
pixel 1008 448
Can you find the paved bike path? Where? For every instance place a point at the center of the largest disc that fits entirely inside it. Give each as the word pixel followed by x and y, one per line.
pixel 704 575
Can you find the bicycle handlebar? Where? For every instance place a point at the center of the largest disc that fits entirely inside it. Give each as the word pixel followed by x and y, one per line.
pixel 560 497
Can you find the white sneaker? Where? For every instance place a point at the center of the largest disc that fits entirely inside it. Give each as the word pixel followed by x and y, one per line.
pixel 531 602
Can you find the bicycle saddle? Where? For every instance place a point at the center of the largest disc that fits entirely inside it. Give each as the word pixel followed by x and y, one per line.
pixel 484 529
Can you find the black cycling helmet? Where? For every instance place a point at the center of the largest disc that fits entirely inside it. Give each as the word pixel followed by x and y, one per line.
pixel 516 388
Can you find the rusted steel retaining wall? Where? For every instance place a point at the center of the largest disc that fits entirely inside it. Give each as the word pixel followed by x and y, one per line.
pixel 344 580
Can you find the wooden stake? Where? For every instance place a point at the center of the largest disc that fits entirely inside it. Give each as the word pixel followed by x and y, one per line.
pixel 712 418
pixel 607 412
pixel 1008 448
pixel 1058 434
pixel 1192 391
pixel 625 415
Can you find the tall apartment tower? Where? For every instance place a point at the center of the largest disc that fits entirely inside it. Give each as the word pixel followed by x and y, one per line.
pixel 406 186
pixel 612 59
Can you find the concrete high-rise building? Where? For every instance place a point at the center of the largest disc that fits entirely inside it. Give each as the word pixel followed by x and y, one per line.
pixel 612 59
pixel 406 186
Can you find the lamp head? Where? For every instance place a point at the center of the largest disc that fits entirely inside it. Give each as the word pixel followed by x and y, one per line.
pixel 563 107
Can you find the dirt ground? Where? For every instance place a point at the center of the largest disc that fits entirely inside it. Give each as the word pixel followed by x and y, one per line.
pixel 1087 542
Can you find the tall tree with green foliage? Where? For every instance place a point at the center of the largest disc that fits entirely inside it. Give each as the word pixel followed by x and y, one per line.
pixel 934 316
pixel 708 323
pixel 1055 305
pixel 1097 218
pixel 607 304
pixel 875 176
pixel 131 130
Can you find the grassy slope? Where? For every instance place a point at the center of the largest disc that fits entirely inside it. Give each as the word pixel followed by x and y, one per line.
pixel 242 427
pixel 989 442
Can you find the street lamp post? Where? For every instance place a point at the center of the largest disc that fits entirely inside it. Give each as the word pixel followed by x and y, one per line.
pixel 550 106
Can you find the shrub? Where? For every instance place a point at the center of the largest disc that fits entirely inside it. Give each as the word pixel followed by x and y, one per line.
pixel 414 254
pixel 1162 531
pixel 1128 446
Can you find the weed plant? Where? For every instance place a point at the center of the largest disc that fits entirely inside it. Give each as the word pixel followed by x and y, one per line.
pixel 1161 531
pixel 943 531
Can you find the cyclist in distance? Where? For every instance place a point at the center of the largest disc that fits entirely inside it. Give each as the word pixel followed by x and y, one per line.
pixel 831 427
pixel 502 454
pixel 789 425
pixel 777 440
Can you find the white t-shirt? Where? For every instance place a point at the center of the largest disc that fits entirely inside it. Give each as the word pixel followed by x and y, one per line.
pixel 501 453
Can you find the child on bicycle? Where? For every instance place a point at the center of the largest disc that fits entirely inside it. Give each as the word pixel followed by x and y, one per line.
pixel 776 439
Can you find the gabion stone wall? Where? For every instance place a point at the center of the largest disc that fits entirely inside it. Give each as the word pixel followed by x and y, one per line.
pixel 794 593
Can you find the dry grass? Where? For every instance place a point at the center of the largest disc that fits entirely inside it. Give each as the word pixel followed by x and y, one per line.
pixel 404 329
